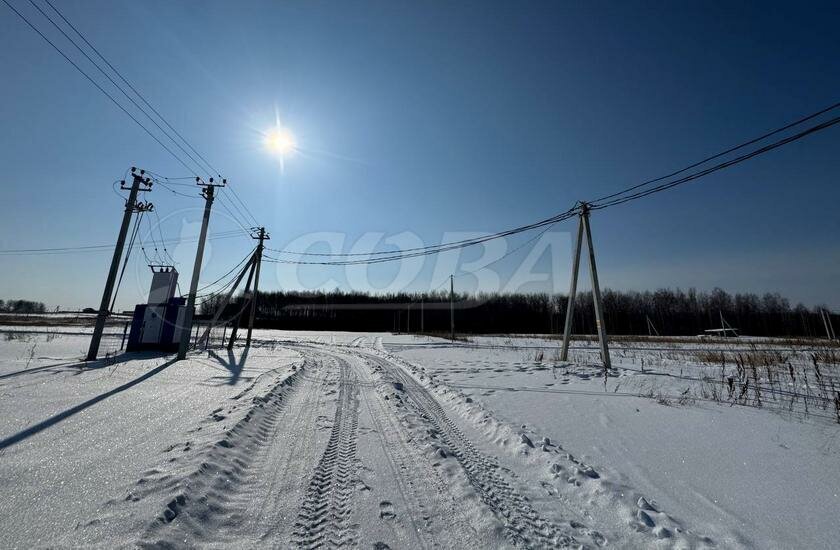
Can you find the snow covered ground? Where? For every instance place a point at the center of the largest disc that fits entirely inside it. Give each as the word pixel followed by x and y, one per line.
pixel 380 440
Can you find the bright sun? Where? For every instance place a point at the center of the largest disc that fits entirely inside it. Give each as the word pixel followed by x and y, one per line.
pixel 280 141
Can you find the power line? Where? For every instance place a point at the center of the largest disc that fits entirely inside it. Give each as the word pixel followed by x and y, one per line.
pixel 151 234
pixel 511 252
pixel 717 167
pixel 143 249
pixel 92 81
pixel 162 240
pixel 207 166
pixel 230 187
pixel 110 247
pixel 231 270
pixel 441 247
pixel 104 73
pixel 426 251
pixel 217 292
pixel 617 198
pixel 133 89
pixel 232 215
pixel 174 192
pixel 236 196
pixel 157 178
pixel 723 153
pixel 134 233
pixel 242 216
pixel 606 201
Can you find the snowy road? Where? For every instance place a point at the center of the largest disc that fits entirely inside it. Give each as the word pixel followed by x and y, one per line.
pixel 355 416
pixel 325 440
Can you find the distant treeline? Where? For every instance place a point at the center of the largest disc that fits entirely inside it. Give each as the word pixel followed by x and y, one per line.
pixel 21 306
pixel 671 312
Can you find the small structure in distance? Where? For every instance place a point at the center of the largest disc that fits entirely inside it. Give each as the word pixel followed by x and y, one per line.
pixel 728 332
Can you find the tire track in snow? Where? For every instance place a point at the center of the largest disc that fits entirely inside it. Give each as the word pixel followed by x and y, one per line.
pixel 523 525
pixel 324 517
pixel 395 454
pixel 216 502
pixel 283 466
pixel 423 491
pixel 405 502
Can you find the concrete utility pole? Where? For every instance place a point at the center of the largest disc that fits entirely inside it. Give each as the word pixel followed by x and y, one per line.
pixel 596 291
pixel 570 306
pixel 208 193
pixel 452 307
pixel 205 337
pixel 138 180
pixel 246 302
pixel 262 236
pixel 584 230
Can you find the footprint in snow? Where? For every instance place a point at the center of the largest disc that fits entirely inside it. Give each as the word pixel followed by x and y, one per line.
pixel 386 510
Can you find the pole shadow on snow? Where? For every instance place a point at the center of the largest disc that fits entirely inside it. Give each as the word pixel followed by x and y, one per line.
pixel 81 366
pixel 235 367
pixel 55 419
pixel 39 369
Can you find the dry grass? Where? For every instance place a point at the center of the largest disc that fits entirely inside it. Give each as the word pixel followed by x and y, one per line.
pixel 804 381
pixel 778 341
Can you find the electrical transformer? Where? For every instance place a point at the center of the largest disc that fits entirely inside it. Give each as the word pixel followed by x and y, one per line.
pixel 157 324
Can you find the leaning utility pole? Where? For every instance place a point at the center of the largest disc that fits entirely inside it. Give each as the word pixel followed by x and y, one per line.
pixel 262 236
pixel 452 307
pixel 651 327
pixel 570 306
pixel 189 312
pixel 585 230
pixel 205 337
pixel 245 303
pixel 829 327
pixel 596 290
pixel 130 207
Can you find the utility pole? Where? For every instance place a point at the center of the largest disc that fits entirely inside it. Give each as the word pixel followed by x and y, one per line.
pixel 408 319
pixel 829 327
pixel 208 194
pixel 570 306
pixel 262 236
pixel 246 302
pixel 596 290
pixel 138 180
pixel 452 307
pixel 585 230
pixel 651 327
pixel 422 326
pixel 205 337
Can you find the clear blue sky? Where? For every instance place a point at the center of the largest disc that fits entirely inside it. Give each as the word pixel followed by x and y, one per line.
pixel 433 118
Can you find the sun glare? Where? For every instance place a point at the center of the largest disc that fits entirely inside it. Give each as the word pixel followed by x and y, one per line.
pixel 280 141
